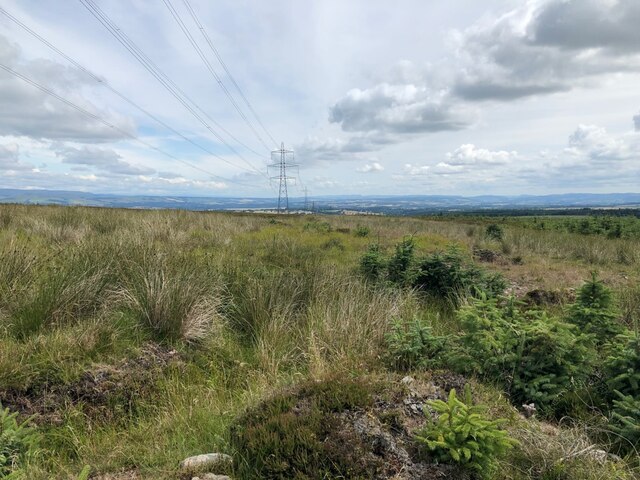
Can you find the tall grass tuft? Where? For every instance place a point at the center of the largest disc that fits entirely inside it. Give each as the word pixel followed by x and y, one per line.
pixel 66 290
pixel 170 299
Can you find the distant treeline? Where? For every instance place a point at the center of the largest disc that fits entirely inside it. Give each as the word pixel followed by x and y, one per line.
pixel 618 223
pixel 538 212
pixel 608 225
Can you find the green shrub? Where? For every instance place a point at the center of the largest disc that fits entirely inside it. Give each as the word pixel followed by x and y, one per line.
pixel 552 360
pixel 413 345
pixel 401 262
pixel 362 231
pixel 319 227
pixel 494 232
pixel 462 434
pixel 447 275
pixel 298 434
pixel 625 423
pixel 18 442
pixel 487 344
pixel 593 311
pixel 373 263
pixel 622 366
pixel 333 243
pixel 538 358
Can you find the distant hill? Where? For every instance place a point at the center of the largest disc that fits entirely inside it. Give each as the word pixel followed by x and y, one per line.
pixel 398 204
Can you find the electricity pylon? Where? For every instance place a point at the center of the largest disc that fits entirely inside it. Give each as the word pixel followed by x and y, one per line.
pixel 282 160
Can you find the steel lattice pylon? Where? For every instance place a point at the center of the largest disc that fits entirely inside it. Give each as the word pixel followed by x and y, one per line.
pixel 282 160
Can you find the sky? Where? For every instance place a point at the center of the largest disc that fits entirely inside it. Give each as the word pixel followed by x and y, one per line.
pixel 425 97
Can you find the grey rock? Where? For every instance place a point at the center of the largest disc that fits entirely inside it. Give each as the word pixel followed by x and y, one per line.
pixel 529 409
pixel 206 460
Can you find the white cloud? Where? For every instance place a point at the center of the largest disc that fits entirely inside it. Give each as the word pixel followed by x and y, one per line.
pixel 10 159
pixel 398 109
pixel 313 150
pixel 27 111
pixel 595 143
pixel 593 158
pixel 444 168
pixel 106 160
pixel 469 154
pixel 372 167
pixel 415 170
pixel 547 46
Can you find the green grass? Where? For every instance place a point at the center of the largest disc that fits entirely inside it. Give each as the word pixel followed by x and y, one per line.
pixel 250 304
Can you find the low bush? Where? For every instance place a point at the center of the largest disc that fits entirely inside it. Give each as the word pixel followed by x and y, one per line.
pixel 373 264
pixel 446 275
pixel 622 366
pixel 494 231
pixel 295 435
pixel 18 442
pixel 538 358
pixel 593 311
pixel 316 226
pixel 449 276
pixel 625 423
pixel 462 434
pixel 400 264
pixel 412 345
pixel 362 231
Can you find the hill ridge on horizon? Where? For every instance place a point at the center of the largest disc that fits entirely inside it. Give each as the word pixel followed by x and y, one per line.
pixel 365 203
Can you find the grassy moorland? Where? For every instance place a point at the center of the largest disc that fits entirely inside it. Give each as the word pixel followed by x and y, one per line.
pixel 130 340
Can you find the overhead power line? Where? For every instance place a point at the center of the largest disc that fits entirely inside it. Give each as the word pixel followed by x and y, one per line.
pixel 112 126
pixel 106 84
pixel 214 74
pixel 196 20
pixel 189 104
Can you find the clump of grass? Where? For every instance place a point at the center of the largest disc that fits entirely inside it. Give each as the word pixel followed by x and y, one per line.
pixel 169 299
pixel 554 452
pixel 69 288
pixel 17 265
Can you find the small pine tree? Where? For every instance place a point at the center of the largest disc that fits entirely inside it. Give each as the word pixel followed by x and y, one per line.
pixel 552 360
pixel 494 232
pixel 413 345
pixel 486 346
pixel 401 263
pixel 593 311
pixel 622 366
pixel 625 423
pixel 538 358
pixel 462 434
pixel 18 442
pixel 373 263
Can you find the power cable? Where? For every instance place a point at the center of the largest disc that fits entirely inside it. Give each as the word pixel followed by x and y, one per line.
pixel 214 74
pixel 104 82
pixel 196 20
pixel 114 127
pixel 164 80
